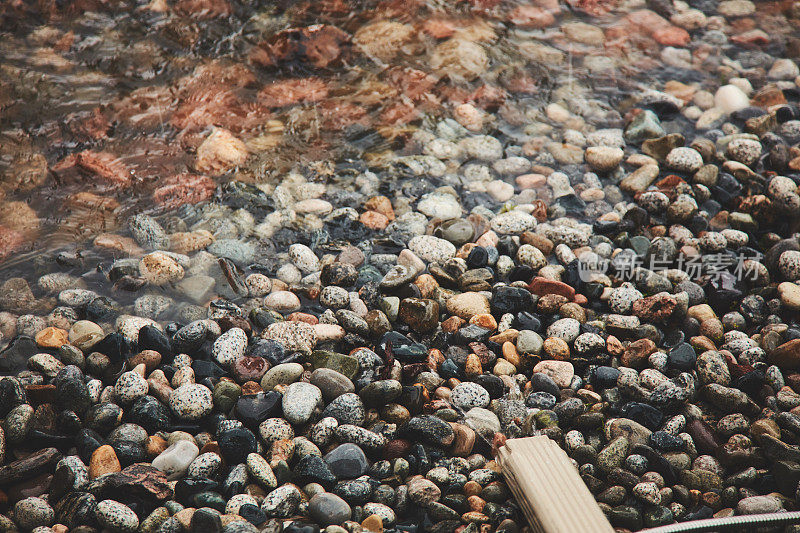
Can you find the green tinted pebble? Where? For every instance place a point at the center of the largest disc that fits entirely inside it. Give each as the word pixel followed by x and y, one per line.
pixel 225 395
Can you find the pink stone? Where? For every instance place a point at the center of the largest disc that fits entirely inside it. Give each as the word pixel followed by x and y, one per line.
pixel 531 181
pixel 559 371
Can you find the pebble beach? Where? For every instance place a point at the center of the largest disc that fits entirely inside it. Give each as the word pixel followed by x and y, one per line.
pixel 304 267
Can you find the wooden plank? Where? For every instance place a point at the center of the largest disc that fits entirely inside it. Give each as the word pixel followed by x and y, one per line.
pixel 548 488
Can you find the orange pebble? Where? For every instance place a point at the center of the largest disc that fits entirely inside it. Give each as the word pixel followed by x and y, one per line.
pixel 373 523
pixel 484 320
pixel 374 220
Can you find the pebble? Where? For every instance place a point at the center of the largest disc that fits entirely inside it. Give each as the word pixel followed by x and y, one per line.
pixel 758 505
pixel 148 233
pixel 284 373
pixel 684 159
pixel 260 471
pixel 431 249
pixel 160 269
pixel 513 222
pixel 282 301
pixel 467 395
pixel 423 491
pixel 304 258
pixel 789 265
pixel 468 304
pixel 329 509
pixel 441 205
pixel 282 502
pixel 604 158
pixel 229 347
pixel 116 516
pixel 293 336
pixel 130 387
pixel 299 401
pixel 32 513
pixel 730 98
pixel 191 401
pixel 175 460
pixel 347 461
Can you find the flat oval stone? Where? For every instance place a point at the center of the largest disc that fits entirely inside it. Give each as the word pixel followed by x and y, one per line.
pixel 332 383
pixel 430 429
pixel 117 516
pixel 299 402
pixel 347 461
pixel 329 509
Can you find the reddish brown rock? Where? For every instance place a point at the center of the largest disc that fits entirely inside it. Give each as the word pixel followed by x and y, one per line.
pixel 656 308
pixel 751 38
pixel 637 352
pixel 595 8
pixel 251 387
pixel 320 45
pixel 211 446
pixel 149 358
pixel 90 125
pixel 228 322
pixel 453 324
pixel 217 104
pixel 464 441
pixel 29 466
pixel 30 488
pixel 293 91
pixel 155 445
pixel 90 201
pixel 42 393
pixel 488 97
pixel 382 205
pixel 672 36
pixel 532 17
pixel 146 107
pixel 561 372
pixel 10 242
pixel 542 286
pixel 337 114
pixel 374 220
pixel 541 242
pixel 118 243
pixel 768 96
pixel 373 523
pixel 439 28
pixel 787 355
pixel 703 435
pixel 303 317
pixel 106 166
pixel 140 480
pixel 396 448
pixel 249 368
pixel 203 9
pixel 412 83
pixel 184 189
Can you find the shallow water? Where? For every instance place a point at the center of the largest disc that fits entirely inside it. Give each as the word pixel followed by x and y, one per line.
pixel 146 85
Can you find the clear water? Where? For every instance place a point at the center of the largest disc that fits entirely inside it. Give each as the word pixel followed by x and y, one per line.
pixel 145 82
